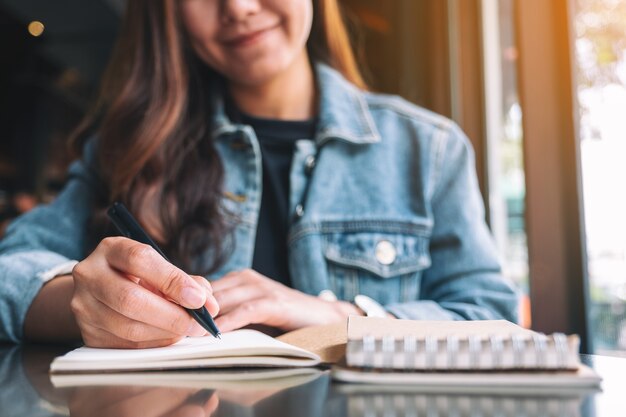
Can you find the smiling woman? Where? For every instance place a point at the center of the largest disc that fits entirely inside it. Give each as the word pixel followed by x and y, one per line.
pixel 268 39
pixel 241 135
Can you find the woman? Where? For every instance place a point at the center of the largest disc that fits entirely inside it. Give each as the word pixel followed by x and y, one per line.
pixel 240 135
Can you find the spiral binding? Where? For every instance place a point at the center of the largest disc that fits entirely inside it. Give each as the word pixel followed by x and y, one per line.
pixel 496 352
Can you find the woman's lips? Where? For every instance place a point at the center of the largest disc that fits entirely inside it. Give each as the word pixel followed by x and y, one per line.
pixel 247 39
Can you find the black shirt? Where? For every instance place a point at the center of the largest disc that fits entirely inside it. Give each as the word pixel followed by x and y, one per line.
pixel 276 139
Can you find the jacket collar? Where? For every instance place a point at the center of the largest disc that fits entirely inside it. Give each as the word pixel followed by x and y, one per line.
pixel 343 112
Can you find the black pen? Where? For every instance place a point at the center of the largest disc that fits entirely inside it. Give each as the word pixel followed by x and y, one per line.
pixel 130 228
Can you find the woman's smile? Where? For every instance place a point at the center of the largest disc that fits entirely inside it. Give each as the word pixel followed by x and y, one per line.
pixel 249 38
pixel 250 42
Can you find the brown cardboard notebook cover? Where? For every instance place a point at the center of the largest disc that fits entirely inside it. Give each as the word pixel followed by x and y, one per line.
pixel 438 353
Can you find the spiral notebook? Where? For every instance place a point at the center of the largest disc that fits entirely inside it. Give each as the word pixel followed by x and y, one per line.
pixel 485 353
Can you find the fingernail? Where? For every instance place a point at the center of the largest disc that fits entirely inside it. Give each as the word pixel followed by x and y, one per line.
pixel 207 286
pixel 213 307
pixel 192 297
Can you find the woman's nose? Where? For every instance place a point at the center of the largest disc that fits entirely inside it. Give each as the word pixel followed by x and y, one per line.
pixel 238 10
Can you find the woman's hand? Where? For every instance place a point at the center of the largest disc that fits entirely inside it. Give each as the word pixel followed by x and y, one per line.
pixel 247 297
pixel 127 296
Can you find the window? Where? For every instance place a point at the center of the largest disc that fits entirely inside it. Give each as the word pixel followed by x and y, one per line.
pixel 599 30
pixel 504 145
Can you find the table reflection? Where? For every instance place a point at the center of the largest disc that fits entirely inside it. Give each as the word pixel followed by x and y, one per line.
pixel 194 393
pixel 26 389
pixel 127 401
pixel 474 405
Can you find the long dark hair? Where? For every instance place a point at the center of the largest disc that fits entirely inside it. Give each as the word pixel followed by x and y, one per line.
pixel 155 151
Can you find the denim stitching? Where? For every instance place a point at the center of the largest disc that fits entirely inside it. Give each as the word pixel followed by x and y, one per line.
pixel 409 111
pixel 439 138
pixel 362 226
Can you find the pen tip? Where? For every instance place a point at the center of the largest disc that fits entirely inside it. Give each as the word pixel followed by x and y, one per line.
pixel 219 336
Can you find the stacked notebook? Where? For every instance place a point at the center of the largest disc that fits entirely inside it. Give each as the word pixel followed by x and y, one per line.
pixel 471 353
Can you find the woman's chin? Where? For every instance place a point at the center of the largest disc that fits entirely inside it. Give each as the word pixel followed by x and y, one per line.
pixel 257 72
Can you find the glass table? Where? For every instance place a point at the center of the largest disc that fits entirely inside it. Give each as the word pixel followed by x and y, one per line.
pixel 26 389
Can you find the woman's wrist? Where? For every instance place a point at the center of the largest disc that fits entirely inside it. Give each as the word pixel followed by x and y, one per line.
pixel 49 318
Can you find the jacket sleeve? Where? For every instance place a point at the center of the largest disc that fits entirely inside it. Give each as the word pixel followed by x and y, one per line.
pixel 42 244
pixel 464 281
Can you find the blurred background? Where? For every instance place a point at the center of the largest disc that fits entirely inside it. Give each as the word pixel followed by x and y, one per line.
pixel 539 87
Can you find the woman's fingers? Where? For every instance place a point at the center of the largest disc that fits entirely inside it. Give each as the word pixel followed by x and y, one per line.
pixel 259 311
pixel 144 262
pixel 139 304
pixel 136 331
pixel 211 303
pixel 236 278
pixel 131 292
pixel 248 297
pixel 234 297
pixel 100 338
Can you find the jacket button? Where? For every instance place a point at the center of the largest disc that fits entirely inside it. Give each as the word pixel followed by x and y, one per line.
pixel 385 252
pixel 299 211
pixel 309 164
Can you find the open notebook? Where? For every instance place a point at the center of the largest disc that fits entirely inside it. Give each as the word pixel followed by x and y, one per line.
pixel 241 348
pixel 478 353
pixel 274 379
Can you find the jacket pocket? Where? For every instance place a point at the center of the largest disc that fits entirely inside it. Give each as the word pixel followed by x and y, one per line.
pixel 382 259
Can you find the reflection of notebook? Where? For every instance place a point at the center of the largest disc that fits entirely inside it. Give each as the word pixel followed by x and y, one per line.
pixel 400 405
pixel 235 388
pixel 487 353
pixel 242 348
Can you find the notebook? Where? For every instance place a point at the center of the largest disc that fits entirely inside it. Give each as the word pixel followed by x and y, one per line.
pixel 241 379
pixel 478 353
pixel 241 348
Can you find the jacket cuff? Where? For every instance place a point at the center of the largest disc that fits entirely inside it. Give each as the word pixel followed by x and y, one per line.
pixel 62 269
pixel 22 275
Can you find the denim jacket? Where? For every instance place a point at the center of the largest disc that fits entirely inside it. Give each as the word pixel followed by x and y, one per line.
pixel 385 203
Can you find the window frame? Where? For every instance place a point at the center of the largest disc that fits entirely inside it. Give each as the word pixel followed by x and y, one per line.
pixel 554 215
pixel 554 204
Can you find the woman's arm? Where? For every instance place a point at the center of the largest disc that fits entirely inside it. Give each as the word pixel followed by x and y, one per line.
pixel 122 295
pixel 43 243
pixel 465 280
pixel 49 318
